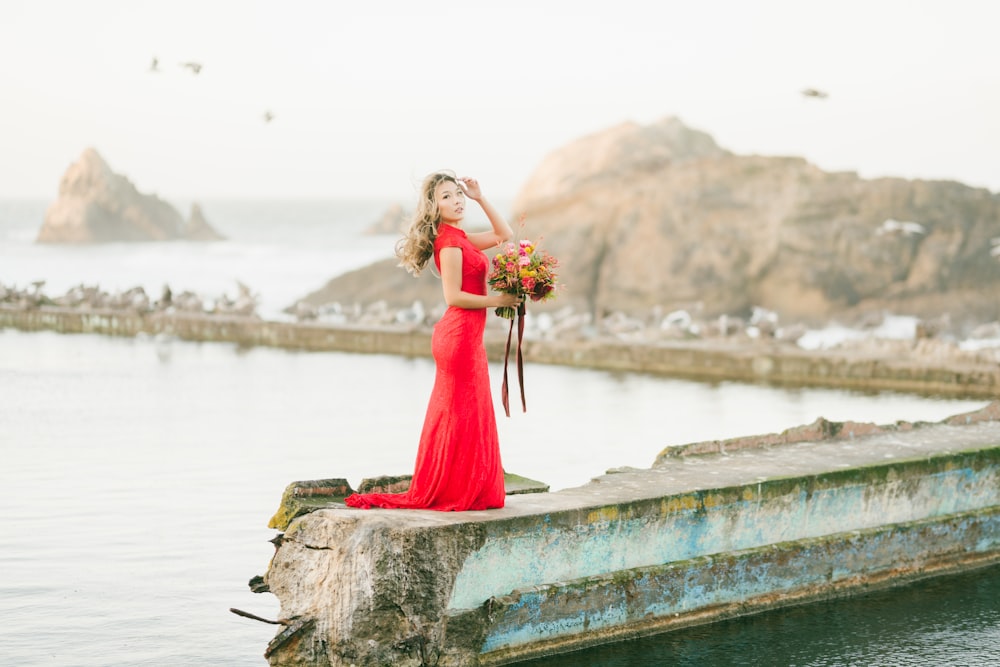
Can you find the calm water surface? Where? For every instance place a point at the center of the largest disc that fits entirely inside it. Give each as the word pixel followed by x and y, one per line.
pixel 139 474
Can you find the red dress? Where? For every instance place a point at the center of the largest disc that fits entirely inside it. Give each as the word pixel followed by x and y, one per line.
pixel 458 461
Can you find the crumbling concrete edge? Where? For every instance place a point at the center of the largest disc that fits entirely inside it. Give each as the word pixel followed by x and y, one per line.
pixel 819 431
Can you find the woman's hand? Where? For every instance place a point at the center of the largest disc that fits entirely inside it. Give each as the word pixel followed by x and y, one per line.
pixel 505 300
pixel 501 230
pixel 471 188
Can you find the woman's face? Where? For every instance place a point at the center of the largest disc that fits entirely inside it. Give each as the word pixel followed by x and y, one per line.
pixel 450 200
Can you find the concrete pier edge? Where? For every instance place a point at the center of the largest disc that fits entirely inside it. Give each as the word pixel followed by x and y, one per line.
pixel 700 536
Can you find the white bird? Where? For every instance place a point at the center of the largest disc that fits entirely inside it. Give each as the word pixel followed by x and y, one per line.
pixel 678 318
pixel 415 314
pixel 193 66
pixel 906 228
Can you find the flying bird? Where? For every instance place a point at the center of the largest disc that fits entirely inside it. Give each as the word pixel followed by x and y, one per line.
pixel 155 65
pixel 194 67
pixel 812 92
pixel 268 116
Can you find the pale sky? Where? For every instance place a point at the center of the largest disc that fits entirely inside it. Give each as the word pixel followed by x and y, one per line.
pixel 370 95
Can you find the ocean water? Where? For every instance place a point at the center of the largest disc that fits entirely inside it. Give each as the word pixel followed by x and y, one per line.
pixel 138 475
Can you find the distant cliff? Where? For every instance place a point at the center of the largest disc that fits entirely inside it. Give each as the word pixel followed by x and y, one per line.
pixel 659 215
pixel 96 205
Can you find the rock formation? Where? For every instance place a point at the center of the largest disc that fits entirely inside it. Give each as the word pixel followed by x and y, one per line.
pixel 393 221
pixel 197 227
pixel 96 205
pixel 661 217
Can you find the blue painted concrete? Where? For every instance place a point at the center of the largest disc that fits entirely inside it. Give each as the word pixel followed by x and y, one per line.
pixel 613 604
pixel 684 527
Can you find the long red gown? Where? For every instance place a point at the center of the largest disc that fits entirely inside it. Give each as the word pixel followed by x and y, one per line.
pixel 458 461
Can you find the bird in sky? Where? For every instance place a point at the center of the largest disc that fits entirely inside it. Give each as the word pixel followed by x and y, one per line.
pixel 155 65
pixel 268 116
pixel 812 92
pixel 194 67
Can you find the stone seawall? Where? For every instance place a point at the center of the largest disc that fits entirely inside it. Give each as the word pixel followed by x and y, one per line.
pixel 696 538
pixel 700 360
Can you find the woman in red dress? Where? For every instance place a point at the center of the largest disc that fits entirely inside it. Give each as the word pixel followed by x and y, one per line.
pixel 458 461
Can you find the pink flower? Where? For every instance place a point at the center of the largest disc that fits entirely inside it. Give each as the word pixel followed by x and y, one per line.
pixel 528 283
pixel 524 261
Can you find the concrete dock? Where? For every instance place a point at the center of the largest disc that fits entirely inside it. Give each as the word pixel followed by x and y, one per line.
pixel 711 530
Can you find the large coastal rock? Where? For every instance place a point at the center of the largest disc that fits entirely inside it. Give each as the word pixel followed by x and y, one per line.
pixel 660 216
pixel 96 205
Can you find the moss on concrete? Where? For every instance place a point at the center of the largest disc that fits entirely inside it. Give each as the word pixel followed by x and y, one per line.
pixel 307 496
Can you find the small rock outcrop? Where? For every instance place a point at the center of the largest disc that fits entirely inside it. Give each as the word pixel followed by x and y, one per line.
pixel 197 228
pixel 393 221
pixel 96 205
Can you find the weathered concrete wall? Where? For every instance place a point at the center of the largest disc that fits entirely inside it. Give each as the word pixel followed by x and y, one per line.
pixel 701 360
pixel 246 331
pixel 695 538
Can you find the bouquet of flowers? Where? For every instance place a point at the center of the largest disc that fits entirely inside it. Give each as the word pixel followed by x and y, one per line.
pixel 524 270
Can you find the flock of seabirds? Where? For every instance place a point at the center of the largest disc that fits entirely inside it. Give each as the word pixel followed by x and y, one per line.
pixel 931 338
pixel 195 68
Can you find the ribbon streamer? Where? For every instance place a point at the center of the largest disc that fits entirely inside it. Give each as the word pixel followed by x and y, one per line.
pixel 504 393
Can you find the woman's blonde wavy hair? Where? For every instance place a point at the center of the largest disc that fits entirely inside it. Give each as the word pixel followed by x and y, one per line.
pixel 416 248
